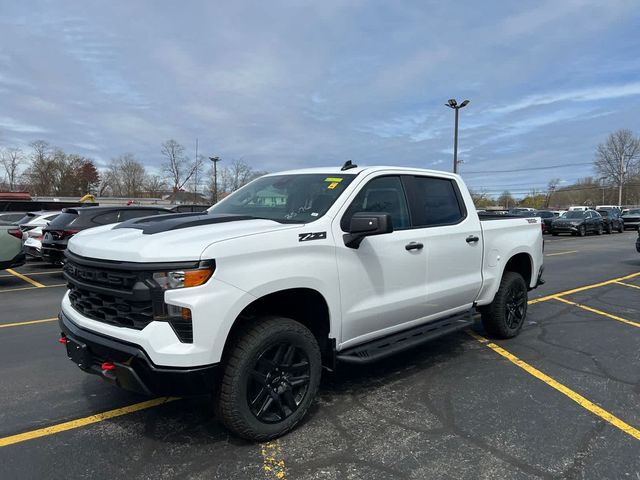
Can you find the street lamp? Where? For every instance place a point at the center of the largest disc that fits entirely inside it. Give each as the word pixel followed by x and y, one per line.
pixel 215 161
pixel 452 103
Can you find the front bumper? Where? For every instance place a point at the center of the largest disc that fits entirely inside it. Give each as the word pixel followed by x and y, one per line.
pixel 133 370
pixel 564 229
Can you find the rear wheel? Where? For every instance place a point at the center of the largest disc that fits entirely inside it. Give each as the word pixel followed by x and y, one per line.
pixel 270 378
pixel 609 228
pixel 504 317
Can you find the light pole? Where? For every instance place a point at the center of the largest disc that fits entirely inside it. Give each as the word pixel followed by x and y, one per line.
pixel 452 103
pixel 215 161
pixel 621 179
pixel 602 185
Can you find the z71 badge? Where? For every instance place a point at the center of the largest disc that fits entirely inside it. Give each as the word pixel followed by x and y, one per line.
pixel 305 237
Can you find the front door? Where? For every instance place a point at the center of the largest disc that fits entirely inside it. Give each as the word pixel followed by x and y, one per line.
pixel 382 283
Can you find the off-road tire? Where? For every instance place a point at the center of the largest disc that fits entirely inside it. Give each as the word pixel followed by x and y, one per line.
pixel 495 315
pixel 249 344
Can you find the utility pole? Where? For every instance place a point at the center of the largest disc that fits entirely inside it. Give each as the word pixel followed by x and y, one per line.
pixel 195 187
pixel 215 161
pixel 621 179
pixel 452 103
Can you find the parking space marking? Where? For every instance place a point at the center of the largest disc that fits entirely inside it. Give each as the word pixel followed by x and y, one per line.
pixel 560 253
pixel 582 289
pixel 25 278
pixel 628 285
pixel 29 322
pixel 599 312
pixel 50 272
pixel 575 396
pixel 32 288
pixel 272 462
pixel 81 422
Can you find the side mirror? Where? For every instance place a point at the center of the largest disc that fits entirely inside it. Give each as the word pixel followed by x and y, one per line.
pixel 365 224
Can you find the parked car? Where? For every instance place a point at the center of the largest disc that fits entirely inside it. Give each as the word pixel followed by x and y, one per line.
pixel 578 222
pixel 579 208
pixel 612 220
pixel 609 207
pixel 73 220
pixel 522 211
pixel 293 272
pixel 33 220
pixel 632 218
pixel 547 217
pixel 32 243
pixel 11 254
pixel 10 218
pixel 638 242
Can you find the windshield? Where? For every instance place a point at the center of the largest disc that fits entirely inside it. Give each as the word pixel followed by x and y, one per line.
pixel 574 214
pixel 635 211
pixel 286 198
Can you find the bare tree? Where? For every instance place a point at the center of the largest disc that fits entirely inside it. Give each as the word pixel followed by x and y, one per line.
pixel 125 176
pixel 39 175
pixel 506 200
pixel 12 159
pixel 551 187
pixel 177 167
pixel 618 158
pixel 155 185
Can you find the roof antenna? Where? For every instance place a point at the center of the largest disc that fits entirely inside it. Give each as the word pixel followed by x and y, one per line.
pixel 348 165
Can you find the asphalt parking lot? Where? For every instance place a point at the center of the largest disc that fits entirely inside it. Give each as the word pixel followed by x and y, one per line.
pixel 562 400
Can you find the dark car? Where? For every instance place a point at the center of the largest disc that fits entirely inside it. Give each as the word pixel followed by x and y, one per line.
pixel 632 218
pixel 612 220
pixel 578 222
pixel 72 220
pixel 547 217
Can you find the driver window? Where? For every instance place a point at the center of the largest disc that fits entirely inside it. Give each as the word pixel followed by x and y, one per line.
pixel 380 195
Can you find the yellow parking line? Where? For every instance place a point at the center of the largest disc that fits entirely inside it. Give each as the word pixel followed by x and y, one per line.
pixel 575 396
pixel 599 312
pixel 30 322
pixel 272 462
pixel 81 422
pixel 35 273
pixel 628 285
pixel 32 288
pixel 25 278
pixel 560 253
pixel 582 289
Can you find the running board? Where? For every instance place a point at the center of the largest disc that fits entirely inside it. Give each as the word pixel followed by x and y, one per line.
pixel 397 342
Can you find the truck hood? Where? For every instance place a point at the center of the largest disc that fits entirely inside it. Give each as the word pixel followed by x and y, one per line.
pixel 130 243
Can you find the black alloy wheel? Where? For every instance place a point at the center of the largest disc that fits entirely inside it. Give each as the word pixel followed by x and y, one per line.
pixel 278 382
pixel 516 305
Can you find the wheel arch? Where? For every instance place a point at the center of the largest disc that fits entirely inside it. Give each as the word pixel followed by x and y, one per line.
pixel 521 263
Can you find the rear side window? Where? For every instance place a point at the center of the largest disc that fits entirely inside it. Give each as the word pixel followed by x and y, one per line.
pixel 129 214
pixel 435 201
pixel 380 195
pixel 106 218
pixel 65 219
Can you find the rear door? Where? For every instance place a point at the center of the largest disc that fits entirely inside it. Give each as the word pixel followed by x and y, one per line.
pixel 452 239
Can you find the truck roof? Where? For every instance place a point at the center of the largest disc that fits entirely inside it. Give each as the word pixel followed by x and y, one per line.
pixel 357 170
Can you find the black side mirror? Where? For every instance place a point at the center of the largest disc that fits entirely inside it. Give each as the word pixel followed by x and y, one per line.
pixel 365 224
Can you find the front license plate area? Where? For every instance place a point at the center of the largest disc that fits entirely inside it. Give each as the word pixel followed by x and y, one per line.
pixel 78 353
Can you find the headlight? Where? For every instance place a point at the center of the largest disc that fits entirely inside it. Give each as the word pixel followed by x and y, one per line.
pixel 183 278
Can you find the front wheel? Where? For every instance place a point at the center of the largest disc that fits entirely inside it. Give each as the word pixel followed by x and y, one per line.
pixel 609 228
pixel 270 378
pixel 621 228
pixel 582 231
pixel 599 230
pixel 504 317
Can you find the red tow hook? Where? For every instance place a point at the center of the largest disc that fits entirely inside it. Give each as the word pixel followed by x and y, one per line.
pixel 63 340
pixel 108 366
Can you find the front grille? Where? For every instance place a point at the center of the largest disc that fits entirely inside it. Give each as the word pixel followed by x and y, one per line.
pixel 111 309
pixel 125 297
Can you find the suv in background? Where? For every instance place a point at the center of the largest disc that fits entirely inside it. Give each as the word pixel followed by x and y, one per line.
pixel 189 208
pixel 73 220
pixel 612 220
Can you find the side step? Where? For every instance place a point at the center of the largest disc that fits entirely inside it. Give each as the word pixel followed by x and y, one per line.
pixel 397 342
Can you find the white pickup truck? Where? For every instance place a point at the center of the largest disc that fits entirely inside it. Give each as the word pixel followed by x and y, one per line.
pixel 294 272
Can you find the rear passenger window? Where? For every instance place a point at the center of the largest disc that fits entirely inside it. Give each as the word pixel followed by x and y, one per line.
pixel 380 195
pixel 106 218
pixel 435 201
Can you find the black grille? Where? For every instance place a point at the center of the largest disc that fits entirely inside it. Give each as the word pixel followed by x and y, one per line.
pixel 126 297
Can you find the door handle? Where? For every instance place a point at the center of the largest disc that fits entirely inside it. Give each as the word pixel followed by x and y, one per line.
pixel 413 246
pixel 472 239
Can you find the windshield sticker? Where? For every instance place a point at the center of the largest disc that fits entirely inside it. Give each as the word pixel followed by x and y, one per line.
pixel 333 185
pixel 333 179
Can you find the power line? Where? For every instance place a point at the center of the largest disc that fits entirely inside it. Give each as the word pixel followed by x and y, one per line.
pixel 489 172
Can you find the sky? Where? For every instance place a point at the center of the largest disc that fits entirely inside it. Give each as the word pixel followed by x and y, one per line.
pixel 291 84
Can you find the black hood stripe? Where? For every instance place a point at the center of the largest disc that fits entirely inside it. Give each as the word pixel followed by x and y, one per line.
pixel 165 223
